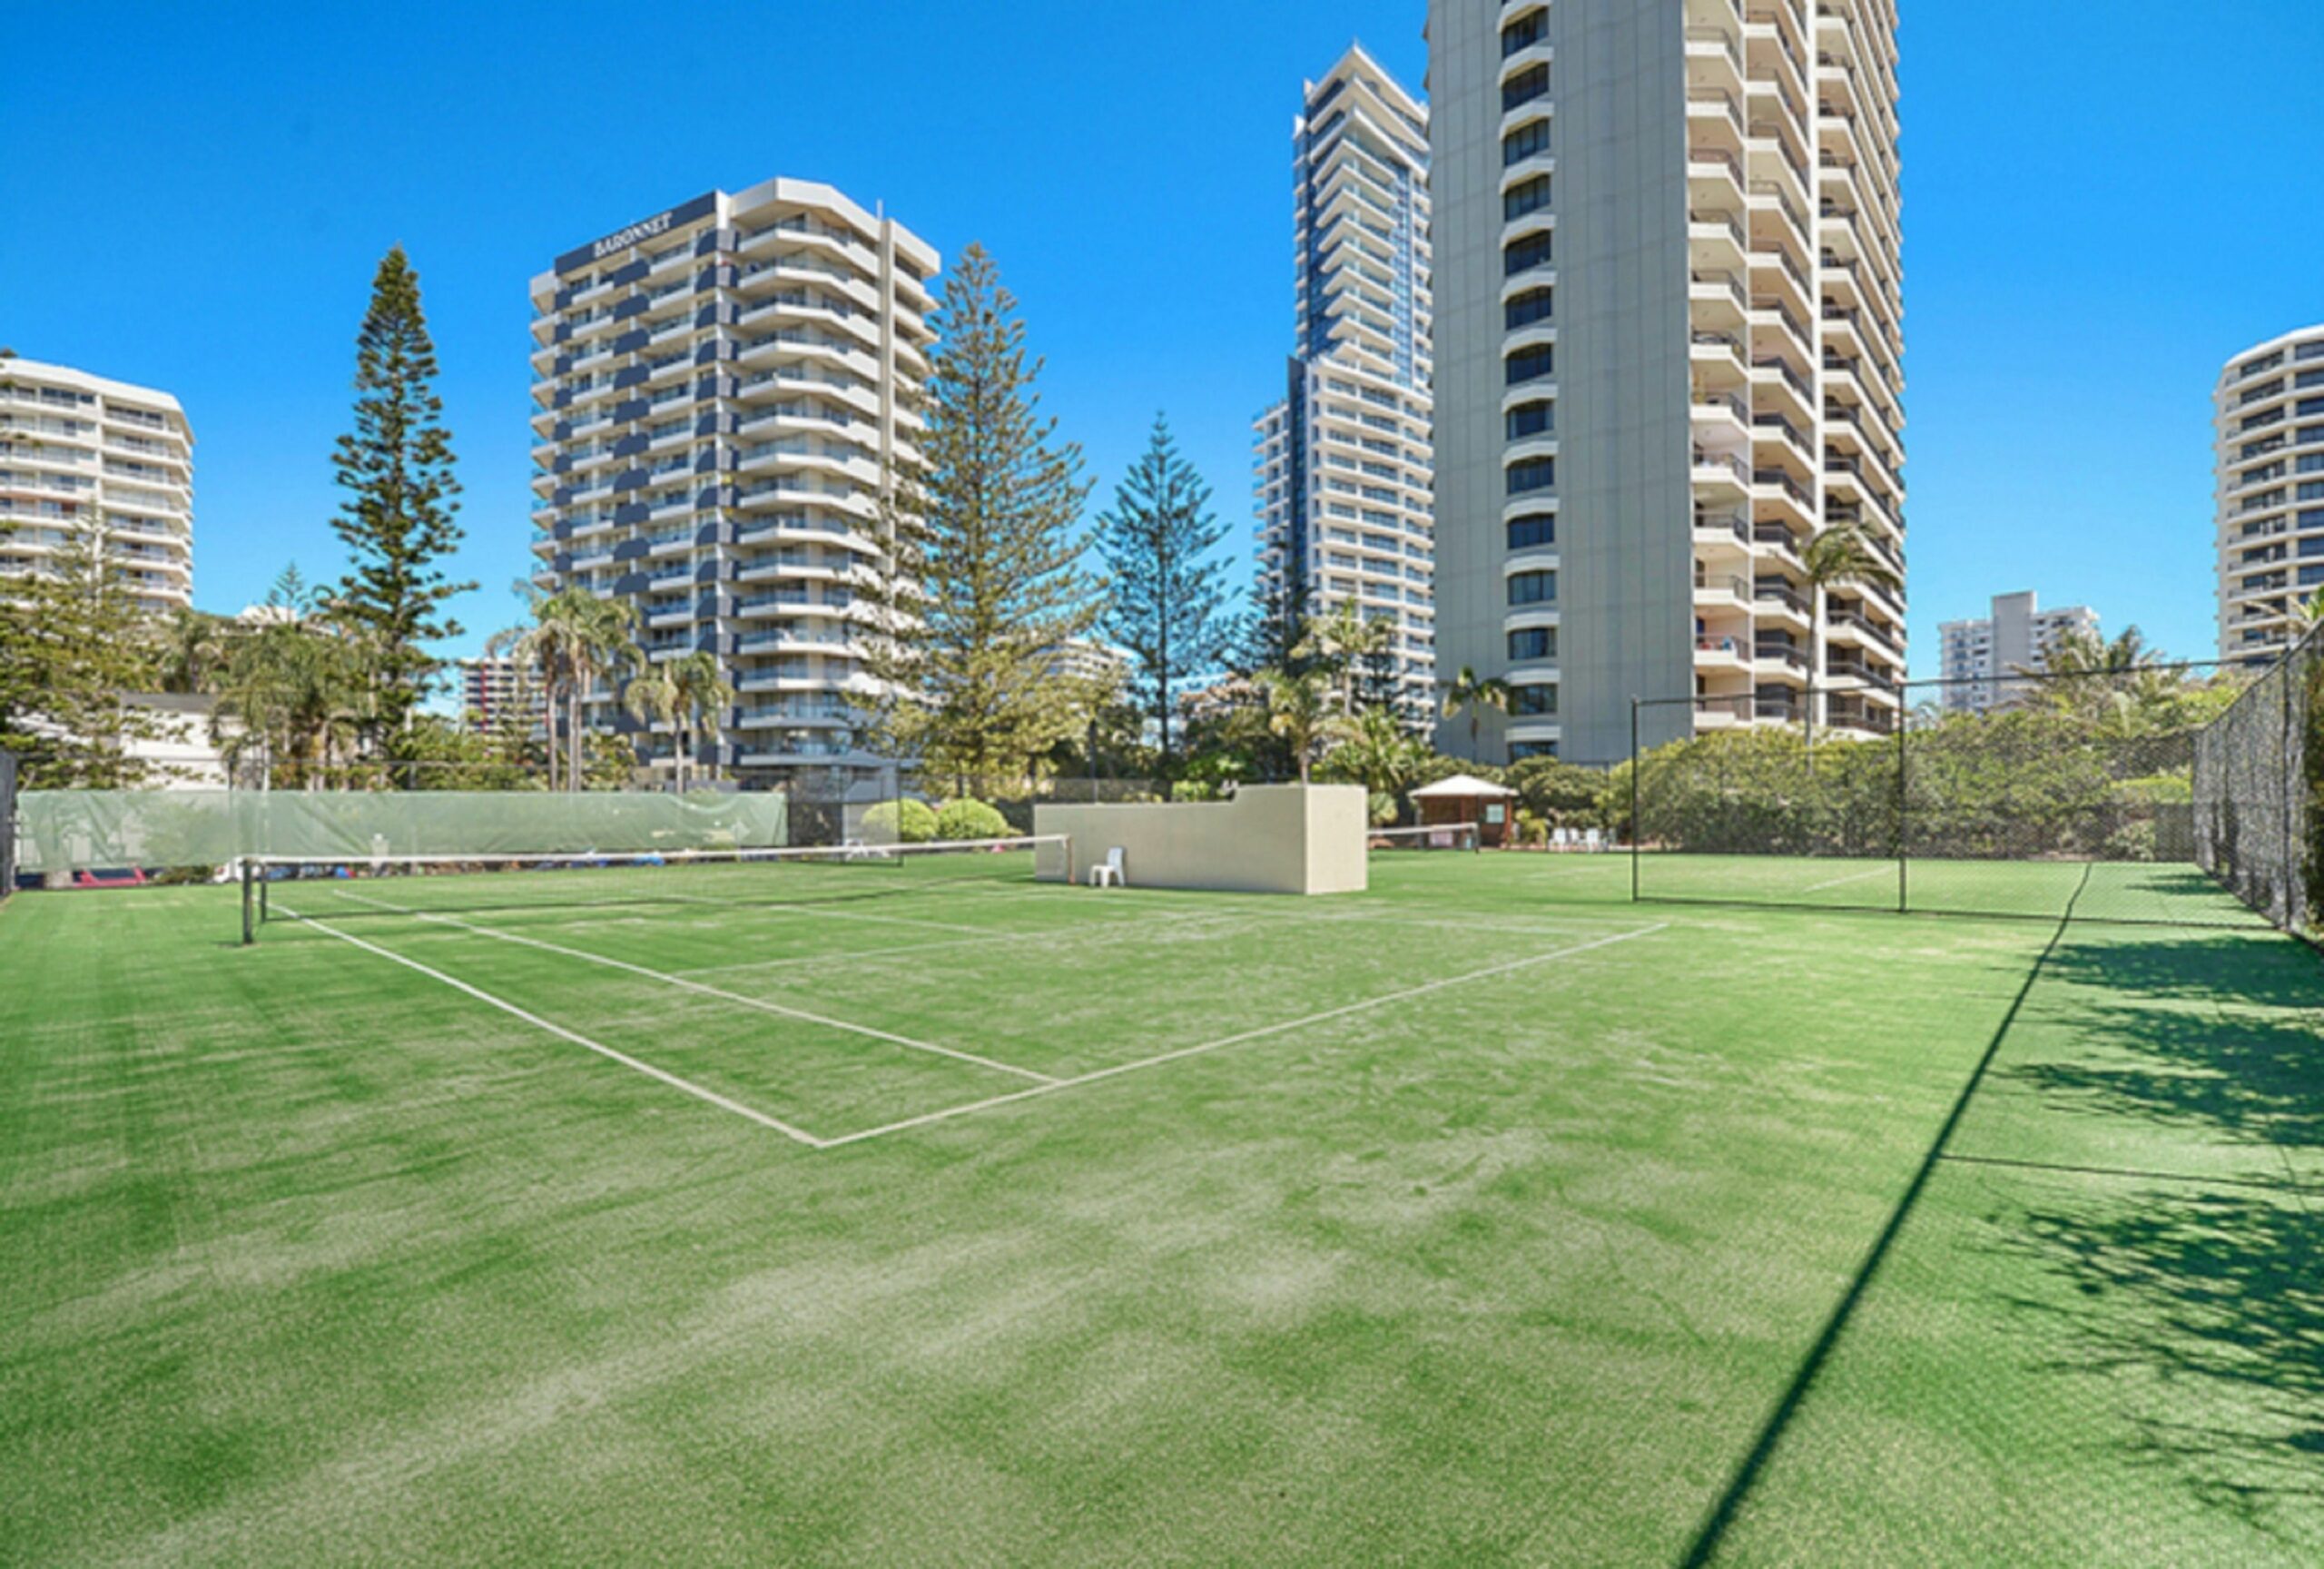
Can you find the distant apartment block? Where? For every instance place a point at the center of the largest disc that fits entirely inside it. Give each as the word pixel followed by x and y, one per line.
pixel 1668 350
pixel 82 456
pixel 723 391
pixel 1342 469
pixel 1980 657
pixel 495 692
pixel 2269 468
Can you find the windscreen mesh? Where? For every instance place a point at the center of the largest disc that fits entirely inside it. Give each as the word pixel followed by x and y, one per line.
pixel 67 831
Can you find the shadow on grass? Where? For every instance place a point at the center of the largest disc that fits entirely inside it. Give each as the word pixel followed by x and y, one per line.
pixel 2208 1289
pixel 2220 1298
pixel 2221 1291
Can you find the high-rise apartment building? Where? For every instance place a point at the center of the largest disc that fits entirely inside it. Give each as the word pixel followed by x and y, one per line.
pixel 1342 466
pixel 2268 465
pixel 1980 657
pixel 81 455
pixel 495 691
pixel 1668 332
pixel 723 395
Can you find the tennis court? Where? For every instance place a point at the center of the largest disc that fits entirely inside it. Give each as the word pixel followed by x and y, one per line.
pixel 910 1213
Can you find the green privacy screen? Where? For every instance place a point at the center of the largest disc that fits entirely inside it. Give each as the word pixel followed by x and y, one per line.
pixel 71 829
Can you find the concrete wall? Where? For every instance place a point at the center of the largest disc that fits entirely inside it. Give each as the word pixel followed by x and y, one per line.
pixel 1269 838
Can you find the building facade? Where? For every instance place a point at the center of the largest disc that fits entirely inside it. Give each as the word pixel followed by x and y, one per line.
pixel 1342 466
pixel 722 395
pixel 1979 656
pixel 2269 474
pixel 498 691
pixel 81 456
pixel 1669 333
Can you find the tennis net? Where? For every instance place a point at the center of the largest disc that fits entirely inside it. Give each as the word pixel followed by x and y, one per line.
pixel 1433 836
pixel 280 889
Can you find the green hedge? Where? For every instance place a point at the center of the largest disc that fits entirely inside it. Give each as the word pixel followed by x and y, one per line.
pixel 970 820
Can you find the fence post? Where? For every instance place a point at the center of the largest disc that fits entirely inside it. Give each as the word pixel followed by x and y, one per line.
pixel 1636 834
pixel 1904 849
pixel 249 933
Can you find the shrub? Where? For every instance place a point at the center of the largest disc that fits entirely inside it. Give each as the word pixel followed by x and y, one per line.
pixel 905 822
pixel 1383 803
pixel 970 820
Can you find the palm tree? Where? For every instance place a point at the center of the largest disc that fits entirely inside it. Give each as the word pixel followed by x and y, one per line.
pixel 1342 640
pixel 193 651
pixel 702 695
pixel 651 698
pixel 687 694
pixel 576 640
pixel 1840 556
pixel 1304 711
pixel 1472 693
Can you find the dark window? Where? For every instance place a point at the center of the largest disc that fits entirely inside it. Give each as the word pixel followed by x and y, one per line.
pixel 1521 750
pixel 1530 196
pixel 1530 28
pixel 1533 587
pixel 1522 144
pixel 1531 364
pixel 1528 85
pixel 1532 531
pixel 1532 702
pixel 2310 406
pixel 1533 474
pixel 1529 419
pixel 1534 250
pixel 1532 643
pixel 1533 305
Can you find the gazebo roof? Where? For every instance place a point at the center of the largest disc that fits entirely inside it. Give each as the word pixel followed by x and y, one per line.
pixel 1461 784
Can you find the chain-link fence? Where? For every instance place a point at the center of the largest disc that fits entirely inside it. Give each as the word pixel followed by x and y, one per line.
pixel 2178 794
pixel 7 824
pixel 2259 790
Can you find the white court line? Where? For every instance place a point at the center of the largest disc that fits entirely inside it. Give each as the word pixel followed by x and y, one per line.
pixel 560 1031
pixel 1224 1042
pixel 843 956
pixel 736 997
pixel 1853 877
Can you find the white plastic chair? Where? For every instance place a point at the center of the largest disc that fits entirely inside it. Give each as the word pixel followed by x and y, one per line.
pixel 1110 870
pixel 1563 840
pixel 1592 842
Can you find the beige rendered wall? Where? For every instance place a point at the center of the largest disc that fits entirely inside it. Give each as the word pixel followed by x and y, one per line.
pixel 1269 838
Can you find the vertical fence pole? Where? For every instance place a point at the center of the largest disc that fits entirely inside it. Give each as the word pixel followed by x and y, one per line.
pixel 250 909
pixel 1904 754
pixel 1635 827
pixel 2293 768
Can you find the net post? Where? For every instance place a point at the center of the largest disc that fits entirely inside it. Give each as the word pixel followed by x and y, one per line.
pixel 1635 835
pixel 250 911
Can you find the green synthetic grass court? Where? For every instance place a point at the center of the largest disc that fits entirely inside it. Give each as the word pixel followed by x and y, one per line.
pixel 1484 1217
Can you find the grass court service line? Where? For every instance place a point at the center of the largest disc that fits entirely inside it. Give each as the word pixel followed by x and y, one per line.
pixel 560 1031
pixel 735 997
pixel 1248 1035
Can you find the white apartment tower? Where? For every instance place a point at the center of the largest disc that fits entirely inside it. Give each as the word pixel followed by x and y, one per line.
pixel 1980 655
pixel 1668 316
pixel 1342 465
pixel 81 455
pixel 2268 465
pixel 722 391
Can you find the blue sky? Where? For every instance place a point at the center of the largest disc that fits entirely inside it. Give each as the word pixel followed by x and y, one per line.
pixel 2096 215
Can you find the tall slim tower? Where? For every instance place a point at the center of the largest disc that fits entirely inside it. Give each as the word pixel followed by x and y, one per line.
pixel 1342 466
pixel 2268 463
pixel 1670 339
pixel 723 393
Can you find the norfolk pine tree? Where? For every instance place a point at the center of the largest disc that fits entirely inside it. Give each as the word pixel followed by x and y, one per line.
pixel 397 521
pixel 982 587
pixel 1167 593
